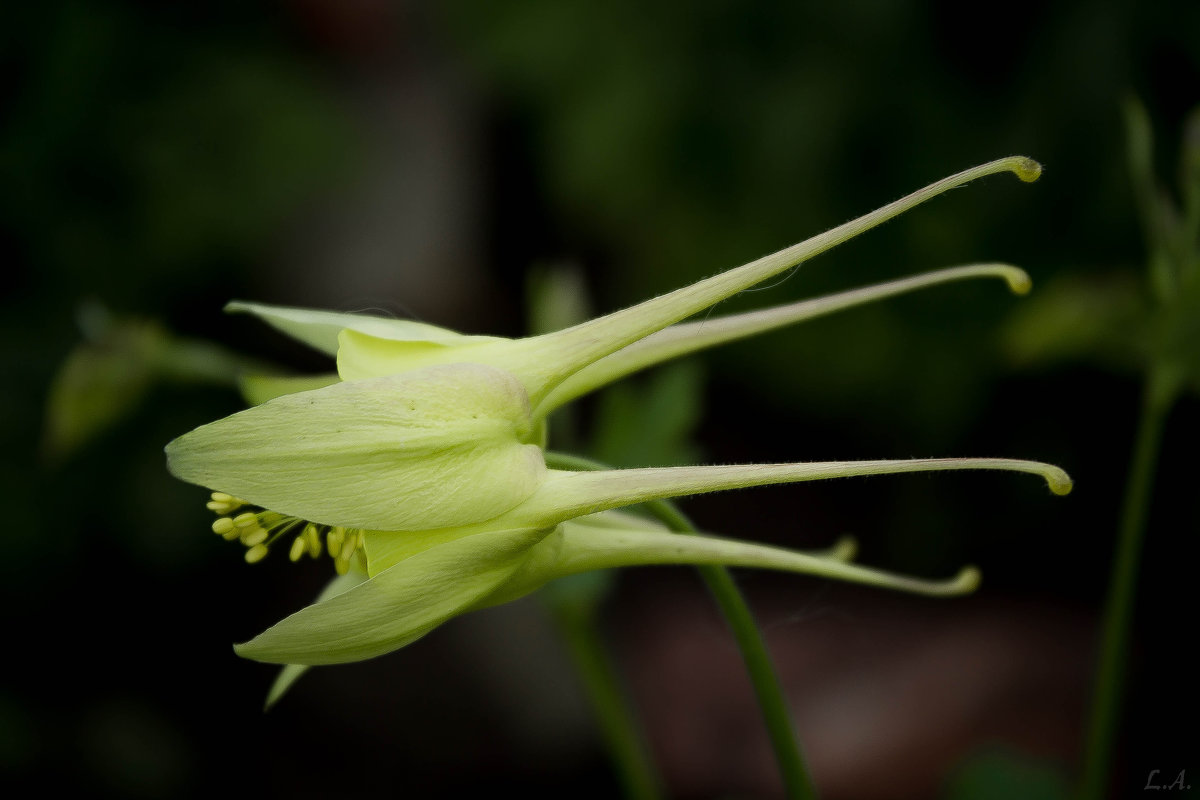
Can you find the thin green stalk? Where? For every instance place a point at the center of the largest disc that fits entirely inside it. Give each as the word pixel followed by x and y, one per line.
pixel 761 671
pixel 620 731
pixel 1122 589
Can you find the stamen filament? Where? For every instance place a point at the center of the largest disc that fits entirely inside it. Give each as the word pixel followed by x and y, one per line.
pixel 312 540
pixel 260 530
pixel 252 537
pixel 690 337
pixel 222 503
pixel 283 528
pixel 333 540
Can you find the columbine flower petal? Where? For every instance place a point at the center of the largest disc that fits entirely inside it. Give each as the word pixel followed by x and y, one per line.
pixel 320 329
pixel 372 346
pixel 424 466
pixel 430 586
pixel 541 363
pixel 258 389
pixel 397 606
pixel 365 353
pixel 601 541
pixel 291 673
pixel 427 449
pixel 565 494
pixel 690 337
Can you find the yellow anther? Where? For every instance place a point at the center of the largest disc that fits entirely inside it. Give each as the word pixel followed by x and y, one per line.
pixel 333 540
pixel 256 554
pixel 252 537
pixel 223 503
pixel 313 539
pixel 257 530
pixel 299 545
pixel 349 546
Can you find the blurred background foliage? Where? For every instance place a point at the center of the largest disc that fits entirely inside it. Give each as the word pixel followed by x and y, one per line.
pixel 158 160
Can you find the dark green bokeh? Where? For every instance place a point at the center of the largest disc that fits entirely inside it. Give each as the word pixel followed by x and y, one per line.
pixel 154 159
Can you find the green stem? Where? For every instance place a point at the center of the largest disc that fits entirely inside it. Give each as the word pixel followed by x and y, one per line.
pixel 1122 589
pixel 771 701
pixel 635 771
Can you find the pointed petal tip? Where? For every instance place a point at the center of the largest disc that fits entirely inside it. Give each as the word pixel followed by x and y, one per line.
pixel 171 451
pixel 287 676
pixel 253 651
pixel 245 650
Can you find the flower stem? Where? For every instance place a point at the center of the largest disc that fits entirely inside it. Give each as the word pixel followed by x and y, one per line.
pixel 762 674
pixel 619 728
pixel 771 701
pixel 1122 589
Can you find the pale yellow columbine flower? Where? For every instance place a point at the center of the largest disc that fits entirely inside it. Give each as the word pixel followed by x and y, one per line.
pixel 424 462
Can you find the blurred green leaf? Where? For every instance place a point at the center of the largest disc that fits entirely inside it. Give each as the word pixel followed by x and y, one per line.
pixel 245 140
pixel 1096 319
pixel 1189 168
pixel 580 595
pixel 101 382
pixel 556 297
pixel 650 422
pixel 1006 776
pixel 1112 320
pixel 105 378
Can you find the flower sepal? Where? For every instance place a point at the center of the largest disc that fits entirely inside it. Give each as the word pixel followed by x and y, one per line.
pixel 442 580
pixel 440 447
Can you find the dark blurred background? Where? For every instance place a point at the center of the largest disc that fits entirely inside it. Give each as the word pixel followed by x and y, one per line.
pixel 419 159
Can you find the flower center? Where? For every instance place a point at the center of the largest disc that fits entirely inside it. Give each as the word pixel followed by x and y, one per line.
pixel 259 528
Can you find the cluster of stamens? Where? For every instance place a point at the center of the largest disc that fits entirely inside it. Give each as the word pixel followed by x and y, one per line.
pixel 258 529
